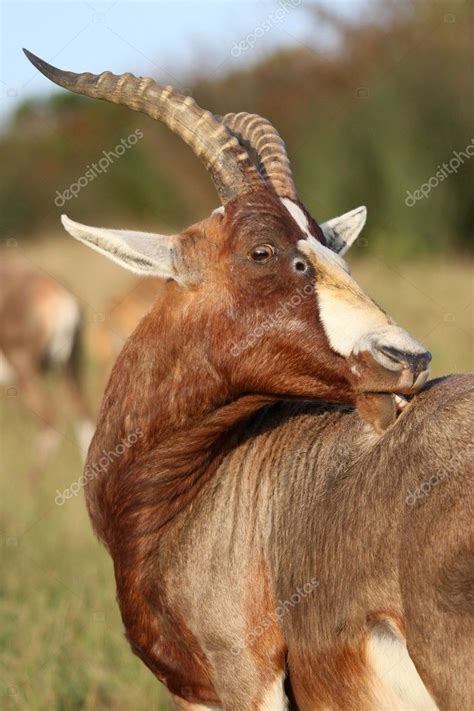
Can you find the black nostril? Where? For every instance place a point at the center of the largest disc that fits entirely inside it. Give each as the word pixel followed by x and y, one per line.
pixel 417 362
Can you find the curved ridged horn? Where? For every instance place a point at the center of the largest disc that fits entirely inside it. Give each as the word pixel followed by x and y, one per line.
pixel 262 140
pixel 226 160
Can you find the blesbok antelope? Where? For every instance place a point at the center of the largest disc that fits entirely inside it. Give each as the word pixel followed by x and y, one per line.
pixel 41 329
pixel 262 548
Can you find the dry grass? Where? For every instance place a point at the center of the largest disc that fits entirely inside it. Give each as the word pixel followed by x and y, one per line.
pixel 61 637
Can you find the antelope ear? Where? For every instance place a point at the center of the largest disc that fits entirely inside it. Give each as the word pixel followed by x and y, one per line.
pixel 144 253
pixel 341 232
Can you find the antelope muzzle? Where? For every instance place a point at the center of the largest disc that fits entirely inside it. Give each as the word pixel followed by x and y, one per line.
pixel 389 360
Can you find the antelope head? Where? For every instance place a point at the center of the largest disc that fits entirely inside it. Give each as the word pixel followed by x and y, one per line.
pixel 259 285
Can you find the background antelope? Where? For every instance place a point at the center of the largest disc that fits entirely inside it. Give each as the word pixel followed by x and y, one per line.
pixel 122 314
pixel 197 515
pixel 41 330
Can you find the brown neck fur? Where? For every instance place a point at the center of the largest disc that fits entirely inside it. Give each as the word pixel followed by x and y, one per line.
pixel 175 381
pixel 183 408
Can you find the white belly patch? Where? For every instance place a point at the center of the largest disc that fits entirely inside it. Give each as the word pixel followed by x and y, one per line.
pixel 397 683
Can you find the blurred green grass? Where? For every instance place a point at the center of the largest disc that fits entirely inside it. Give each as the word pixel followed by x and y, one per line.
pixel 61 638
pixel 367 119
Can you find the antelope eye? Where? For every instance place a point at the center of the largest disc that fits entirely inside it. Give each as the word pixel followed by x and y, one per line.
pixel 262 253
pixel 300 265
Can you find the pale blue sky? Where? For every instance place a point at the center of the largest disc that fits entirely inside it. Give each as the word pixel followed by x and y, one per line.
pixel 164 39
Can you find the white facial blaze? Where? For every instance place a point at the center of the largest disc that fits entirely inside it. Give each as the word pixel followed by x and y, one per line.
pixel 297 214
pixel 323 252
pixel 346 313
pixel 345 323
pixel 351 320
